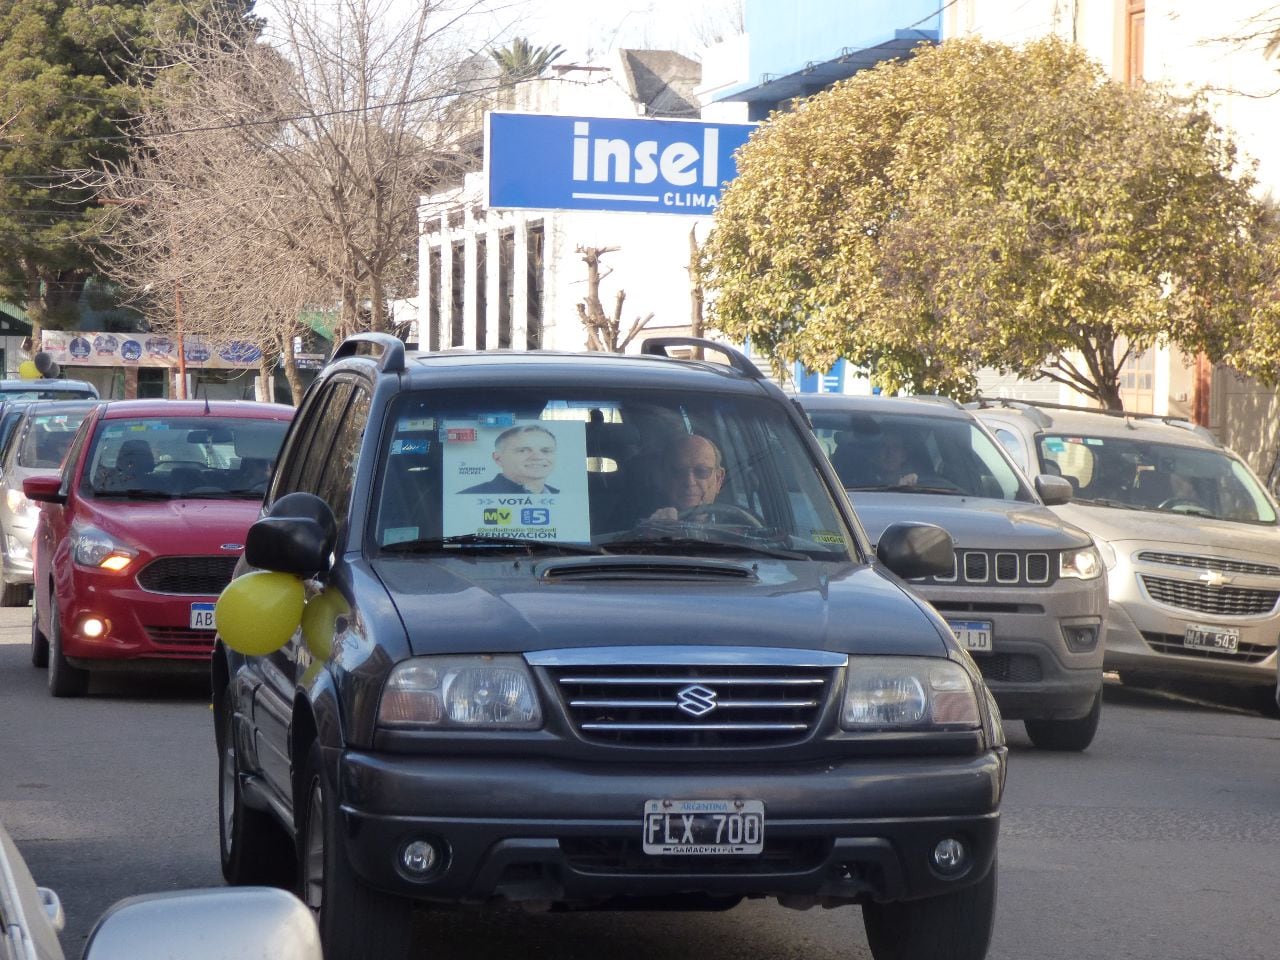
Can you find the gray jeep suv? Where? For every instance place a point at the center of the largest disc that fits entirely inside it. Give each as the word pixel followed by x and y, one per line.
pixel 597 631
pixel 1025 594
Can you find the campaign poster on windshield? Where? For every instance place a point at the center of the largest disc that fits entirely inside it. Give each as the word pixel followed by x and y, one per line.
pixel 505 477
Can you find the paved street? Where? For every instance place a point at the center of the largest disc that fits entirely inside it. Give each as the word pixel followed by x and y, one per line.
pixel 1162 842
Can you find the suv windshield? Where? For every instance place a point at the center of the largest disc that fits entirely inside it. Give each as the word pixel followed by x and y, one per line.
pixel 616 472
pixel 175 457
pixel 1145 475
pixel 916 454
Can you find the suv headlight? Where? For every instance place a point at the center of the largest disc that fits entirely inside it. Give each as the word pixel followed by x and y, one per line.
pixel 460 692
pixel 908 692
pixel 90 547
pixel 1082 564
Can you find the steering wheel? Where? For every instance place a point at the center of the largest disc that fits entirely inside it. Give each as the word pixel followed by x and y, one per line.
pixel 1188 505
pixel 728 513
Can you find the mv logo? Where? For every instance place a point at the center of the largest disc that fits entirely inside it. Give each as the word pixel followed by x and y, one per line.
pixel 497 516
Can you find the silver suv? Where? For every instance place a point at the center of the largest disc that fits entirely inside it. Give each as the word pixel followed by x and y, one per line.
pixel 1189 537
pixel 1025 595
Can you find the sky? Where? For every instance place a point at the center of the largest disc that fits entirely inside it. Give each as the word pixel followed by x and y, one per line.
pixel 587 27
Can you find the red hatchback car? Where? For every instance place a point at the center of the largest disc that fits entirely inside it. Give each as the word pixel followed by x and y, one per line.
pixel 140 532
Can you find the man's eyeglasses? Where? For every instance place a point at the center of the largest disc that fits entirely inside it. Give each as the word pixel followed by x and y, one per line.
pixel 698 471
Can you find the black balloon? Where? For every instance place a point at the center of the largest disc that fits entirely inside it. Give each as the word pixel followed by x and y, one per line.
pixel 54 370
pixel 43 362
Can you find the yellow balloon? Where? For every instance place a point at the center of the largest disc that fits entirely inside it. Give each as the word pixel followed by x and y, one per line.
pixel 257 614
pixel 27 370
pixel 319 621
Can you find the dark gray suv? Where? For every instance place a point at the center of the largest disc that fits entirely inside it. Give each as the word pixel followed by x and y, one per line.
pixel 597 631
pixel 1026 594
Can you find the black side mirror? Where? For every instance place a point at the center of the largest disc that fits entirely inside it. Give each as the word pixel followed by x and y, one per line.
pixel 916 550
pixel 297 535
pixel 1054 490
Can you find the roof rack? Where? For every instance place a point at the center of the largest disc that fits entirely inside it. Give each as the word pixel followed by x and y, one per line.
pixel 934 398
pixel 383 347
pixel 1034 408
pixel 657 347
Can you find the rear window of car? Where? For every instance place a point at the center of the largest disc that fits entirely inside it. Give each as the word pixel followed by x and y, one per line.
pixel 175 457
pixel 614 469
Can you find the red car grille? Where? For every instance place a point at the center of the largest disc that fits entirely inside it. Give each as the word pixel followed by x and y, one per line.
pixel 187 575
pixel 181 637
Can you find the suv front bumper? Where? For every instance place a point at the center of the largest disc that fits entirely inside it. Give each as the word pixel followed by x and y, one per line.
pixel 550 830
pixel 1031 669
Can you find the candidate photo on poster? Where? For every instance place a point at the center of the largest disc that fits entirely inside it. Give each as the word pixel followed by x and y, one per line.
pixel 525 456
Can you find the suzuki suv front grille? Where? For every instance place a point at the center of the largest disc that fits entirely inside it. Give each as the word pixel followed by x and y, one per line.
pixel 715 704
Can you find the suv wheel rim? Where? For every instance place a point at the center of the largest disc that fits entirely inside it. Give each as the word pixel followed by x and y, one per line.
pixel 313 852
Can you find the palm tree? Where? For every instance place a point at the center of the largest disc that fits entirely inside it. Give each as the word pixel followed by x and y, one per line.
pixel 520 60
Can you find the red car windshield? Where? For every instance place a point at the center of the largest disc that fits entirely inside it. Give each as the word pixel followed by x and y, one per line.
pixel 183 457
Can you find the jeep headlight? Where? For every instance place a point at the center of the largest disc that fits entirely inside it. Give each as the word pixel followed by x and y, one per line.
pixel 1082 564
pixel 460 692
pixel 908 693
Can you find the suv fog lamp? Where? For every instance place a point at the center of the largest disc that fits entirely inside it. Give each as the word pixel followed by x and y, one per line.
pixel 93 627
pixel 1080 639
pixel 950 857
pixel 482 691
pixel 915 692
pixel 1084 564
pixel 418 858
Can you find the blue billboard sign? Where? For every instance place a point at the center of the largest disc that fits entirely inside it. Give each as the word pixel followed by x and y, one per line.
pixel 548 162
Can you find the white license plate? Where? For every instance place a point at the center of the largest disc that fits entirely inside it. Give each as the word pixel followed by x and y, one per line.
pixel 972 634
pixel 202 616
pixel 1226 639
pixel 703 827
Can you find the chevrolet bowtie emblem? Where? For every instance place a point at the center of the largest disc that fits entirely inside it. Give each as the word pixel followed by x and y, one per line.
pixel 1213 578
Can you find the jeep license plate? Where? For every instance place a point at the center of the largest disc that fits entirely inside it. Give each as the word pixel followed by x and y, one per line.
pixel 202 616
pixel 703 827
pixel 1226 639
pixel 973 635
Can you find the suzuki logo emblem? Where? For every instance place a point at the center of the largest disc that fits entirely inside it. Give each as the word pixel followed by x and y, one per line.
pixel 1213 578
pixel 697 701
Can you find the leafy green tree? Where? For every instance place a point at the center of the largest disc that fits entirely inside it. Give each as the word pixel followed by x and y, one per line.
pixel 520 60
pixel 981 205
pixel 65 104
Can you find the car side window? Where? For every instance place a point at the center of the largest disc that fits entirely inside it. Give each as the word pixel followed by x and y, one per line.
pixel 73 454
pixel 308 453
pixel 1012 444
pixel 339 471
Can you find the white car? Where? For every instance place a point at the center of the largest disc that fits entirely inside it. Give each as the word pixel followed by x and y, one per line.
pixel 1189 536
pixel 239 923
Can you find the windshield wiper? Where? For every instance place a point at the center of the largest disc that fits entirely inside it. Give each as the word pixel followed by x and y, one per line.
pixel 1104 502
pixel 462 540
pixel 693 545
pixel 136 494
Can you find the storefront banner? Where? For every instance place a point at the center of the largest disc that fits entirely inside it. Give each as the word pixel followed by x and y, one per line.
pixel 72 348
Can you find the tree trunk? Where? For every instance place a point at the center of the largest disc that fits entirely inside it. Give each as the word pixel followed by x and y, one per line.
pixel 291 374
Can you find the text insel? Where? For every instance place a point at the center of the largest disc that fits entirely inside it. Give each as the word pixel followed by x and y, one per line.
pixel 614 160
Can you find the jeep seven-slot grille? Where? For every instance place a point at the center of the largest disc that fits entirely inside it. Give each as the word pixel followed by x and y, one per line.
pixel 1202 598
pixel 1005 568
pixel 739 705
pixel 1210 563
pixel 187 575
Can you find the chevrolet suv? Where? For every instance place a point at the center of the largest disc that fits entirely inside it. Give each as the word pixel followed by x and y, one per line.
pixel 595 631
pixel 1188 534
pixel 1025 594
